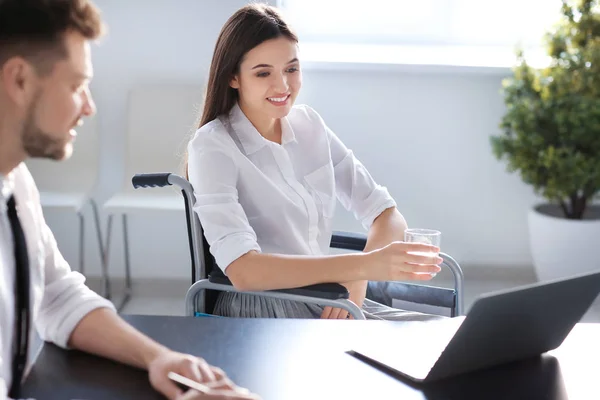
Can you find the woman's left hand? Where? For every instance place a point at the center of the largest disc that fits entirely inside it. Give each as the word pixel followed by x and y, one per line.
pixel 358 292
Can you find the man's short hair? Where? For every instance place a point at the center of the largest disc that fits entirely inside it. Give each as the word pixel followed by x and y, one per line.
pixel 35 29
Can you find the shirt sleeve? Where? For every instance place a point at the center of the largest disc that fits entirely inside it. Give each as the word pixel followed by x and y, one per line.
pixel 355 187
pixel 213 174
pixel 66 298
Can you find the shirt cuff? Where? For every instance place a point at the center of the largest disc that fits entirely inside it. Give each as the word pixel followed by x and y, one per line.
pixel 379 201
pixel 70 323
pixel 58 320
pixel 233 247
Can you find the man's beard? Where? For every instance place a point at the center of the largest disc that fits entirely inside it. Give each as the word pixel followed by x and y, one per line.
pixel 40 144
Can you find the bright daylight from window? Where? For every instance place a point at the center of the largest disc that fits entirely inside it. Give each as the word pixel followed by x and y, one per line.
pixel 445 32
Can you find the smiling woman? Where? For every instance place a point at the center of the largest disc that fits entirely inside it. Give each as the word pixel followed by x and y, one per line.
pixel 290 67
pixel 231 65
pixel 267 173
pixel 268 82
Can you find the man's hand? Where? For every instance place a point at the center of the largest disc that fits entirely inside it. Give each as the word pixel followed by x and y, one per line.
pixel 358 292
pixel 194 368
pixel 104 333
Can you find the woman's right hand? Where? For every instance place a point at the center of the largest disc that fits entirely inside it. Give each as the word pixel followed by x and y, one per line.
pixel 397 262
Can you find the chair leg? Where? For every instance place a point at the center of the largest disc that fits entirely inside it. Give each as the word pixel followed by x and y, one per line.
pixel 105 258
pixel 103 251
pixel 128 286
pixel 81 242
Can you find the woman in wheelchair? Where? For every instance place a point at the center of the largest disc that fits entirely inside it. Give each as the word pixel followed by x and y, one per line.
pixel 266 174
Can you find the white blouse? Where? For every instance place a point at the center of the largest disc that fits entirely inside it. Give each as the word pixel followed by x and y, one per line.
pixel 254 194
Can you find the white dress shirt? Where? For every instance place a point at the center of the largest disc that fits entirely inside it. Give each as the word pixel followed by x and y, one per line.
pixel 58 297
pixel 254 194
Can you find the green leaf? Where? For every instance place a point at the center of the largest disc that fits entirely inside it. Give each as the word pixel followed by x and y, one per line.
pixel 550 131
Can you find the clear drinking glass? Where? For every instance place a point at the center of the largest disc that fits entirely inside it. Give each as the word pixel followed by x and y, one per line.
pixel 428 236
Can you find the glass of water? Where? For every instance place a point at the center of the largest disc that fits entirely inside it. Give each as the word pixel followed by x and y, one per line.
pixel 428 236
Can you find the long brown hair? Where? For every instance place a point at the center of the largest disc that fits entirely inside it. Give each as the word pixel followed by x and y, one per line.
pixel 250 26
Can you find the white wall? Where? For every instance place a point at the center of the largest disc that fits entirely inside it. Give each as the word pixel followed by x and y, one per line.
pixel 423 135
pixel 426 137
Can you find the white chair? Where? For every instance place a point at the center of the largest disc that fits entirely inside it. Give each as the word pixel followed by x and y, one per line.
pixel 68 184
pixel 161 119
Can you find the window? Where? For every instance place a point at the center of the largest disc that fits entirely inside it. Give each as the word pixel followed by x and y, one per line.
pixel 486 27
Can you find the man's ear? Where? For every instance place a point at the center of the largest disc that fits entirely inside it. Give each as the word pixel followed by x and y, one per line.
pixel 235 82
pixel 18 79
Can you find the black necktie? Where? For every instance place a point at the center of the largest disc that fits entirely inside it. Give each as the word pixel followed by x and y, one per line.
pixel 21 328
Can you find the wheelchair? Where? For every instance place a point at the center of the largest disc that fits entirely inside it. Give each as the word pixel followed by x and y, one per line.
pixel 208 279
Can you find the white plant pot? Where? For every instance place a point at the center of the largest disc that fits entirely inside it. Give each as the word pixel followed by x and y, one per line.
pixel 563 247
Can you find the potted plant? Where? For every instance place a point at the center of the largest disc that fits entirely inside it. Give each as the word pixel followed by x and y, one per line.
pixel 551 137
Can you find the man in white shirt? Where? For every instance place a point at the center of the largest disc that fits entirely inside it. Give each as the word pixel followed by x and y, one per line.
pixel 45 69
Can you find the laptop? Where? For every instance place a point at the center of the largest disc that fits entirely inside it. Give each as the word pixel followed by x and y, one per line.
pixel 501 327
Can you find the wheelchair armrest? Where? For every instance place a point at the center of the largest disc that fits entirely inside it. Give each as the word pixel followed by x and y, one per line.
pixel 348 241
pixel 330 291
pixel 385 292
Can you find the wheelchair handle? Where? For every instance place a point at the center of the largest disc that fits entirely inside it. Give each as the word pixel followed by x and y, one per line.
pixel 151 180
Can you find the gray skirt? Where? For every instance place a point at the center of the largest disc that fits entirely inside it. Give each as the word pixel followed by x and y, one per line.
pixel 244 305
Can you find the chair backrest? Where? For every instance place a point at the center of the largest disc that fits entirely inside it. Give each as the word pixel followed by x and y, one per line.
pixel 79 173
pixel 161 119
pixel 210 264
pixel 212 270
pixel 203 263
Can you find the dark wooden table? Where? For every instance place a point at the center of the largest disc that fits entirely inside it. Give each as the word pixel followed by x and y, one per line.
pixel 309 359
